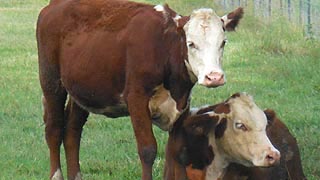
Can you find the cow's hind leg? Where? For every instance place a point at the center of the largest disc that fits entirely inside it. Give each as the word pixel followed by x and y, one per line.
pixel 54 128
pixel 54 98
pixel 75 120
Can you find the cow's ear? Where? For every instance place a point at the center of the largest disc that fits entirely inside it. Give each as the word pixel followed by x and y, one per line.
pixel 231 20
pixel 200 124
pixel 182 21
pixel 271 115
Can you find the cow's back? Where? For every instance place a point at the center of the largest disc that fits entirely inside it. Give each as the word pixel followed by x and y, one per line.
pixel 68 26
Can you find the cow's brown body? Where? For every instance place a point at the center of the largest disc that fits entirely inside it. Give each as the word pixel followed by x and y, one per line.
pixel 108 56
pixel 188 154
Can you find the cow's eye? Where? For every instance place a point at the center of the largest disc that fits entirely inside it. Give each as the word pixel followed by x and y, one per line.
pixel 241 126
pixel 192 45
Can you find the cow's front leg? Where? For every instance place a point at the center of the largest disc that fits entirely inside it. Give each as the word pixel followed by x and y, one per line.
pixel 142 125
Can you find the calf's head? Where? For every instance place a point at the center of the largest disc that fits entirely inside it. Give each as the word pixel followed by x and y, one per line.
pixel 205 33
pixel 236 130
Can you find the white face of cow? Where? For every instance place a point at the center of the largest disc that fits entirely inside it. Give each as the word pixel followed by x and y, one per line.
pixel 245 140
pixel 205 42
pixel 205 32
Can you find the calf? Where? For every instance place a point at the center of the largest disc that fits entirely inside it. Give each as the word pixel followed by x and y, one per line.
pixel 211 138
pixel 290 163
pixel 116 58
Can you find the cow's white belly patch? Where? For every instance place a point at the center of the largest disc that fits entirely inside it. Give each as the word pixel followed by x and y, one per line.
pixel 114 111
pixel 163 109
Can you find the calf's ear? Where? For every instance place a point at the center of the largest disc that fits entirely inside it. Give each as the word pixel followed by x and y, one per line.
pixel 200 124
pixel 271 115
pixel 231 20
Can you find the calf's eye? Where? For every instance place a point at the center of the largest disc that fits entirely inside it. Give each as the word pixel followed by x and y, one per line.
pixel 241 126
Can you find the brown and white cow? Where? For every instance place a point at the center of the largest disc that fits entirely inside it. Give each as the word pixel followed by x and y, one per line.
pixel 118 58
pixel 211 138
pixel 206 41
pixel 290 167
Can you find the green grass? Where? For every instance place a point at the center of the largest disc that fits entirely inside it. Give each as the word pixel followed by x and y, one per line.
pixel 273 62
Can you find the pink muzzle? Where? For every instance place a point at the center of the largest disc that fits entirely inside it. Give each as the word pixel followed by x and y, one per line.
pixel 214 79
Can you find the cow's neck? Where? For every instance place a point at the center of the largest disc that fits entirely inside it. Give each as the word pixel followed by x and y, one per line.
pixel 218 166
pixel 180 86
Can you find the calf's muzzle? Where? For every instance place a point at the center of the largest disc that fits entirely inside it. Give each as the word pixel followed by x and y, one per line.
pixel 272 158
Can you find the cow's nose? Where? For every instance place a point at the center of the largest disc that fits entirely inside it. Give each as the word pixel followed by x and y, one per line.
pixel 214 79
pixel 273 158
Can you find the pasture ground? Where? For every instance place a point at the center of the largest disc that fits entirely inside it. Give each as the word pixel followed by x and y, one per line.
pixel 272 61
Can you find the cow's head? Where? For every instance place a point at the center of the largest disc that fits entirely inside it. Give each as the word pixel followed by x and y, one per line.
pixel 205 33
pixel 237 131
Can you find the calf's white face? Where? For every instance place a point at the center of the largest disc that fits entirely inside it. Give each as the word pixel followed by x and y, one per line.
pixel 205 33
pixel 245 140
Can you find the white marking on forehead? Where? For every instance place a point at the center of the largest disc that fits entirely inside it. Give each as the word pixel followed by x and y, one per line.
pixel 204 21
pixel 207 16
pixel 243 99
pixel 248 112
pixel 57 175
pixel 203 11
pixel 159 8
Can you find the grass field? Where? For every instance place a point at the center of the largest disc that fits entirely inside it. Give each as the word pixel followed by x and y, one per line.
pixel 273 62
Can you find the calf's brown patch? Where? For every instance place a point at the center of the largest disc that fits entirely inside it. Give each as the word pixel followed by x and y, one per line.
pixel 220 128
